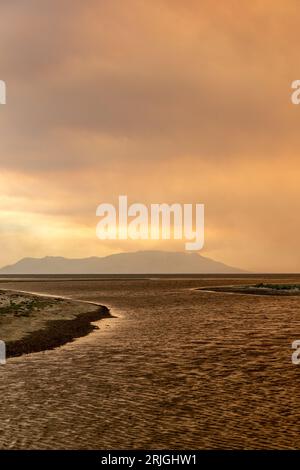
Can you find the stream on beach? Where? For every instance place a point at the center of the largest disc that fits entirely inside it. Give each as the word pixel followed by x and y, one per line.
pixel 173 368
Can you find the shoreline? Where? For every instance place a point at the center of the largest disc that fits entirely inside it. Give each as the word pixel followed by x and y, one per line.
pixel 56 333
pixel 250 290
pixel 32 322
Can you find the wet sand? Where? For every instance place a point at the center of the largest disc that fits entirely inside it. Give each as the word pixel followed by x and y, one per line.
pixel 173 368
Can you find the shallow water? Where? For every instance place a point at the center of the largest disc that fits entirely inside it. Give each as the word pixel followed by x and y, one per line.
pixel 174 368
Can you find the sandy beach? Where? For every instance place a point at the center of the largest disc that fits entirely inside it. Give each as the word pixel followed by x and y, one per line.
pixel 32 323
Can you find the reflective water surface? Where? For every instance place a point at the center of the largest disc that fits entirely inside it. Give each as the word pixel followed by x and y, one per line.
pixel 173 368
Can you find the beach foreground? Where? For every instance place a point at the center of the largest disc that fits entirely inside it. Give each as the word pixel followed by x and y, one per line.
pixel 174 367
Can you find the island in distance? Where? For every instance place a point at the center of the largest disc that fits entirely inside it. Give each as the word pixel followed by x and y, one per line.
pixel 140 262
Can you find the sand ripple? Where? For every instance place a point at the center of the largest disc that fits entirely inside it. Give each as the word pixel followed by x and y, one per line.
pixel 176 368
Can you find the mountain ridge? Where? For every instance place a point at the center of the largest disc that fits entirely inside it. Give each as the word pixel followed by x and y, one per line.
pixel 139 262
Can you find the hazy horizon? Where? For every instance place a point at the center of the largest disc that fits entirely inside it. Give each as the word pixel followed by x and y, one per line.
pixel 236 270
pixel 139 262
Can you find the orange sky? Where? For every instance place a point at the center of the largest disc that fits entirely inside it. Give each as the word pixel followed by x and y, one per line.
pixel 162 100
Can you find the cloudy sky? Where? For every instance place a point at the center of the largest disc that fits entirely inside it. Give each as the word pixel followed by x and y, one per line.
pixel 162 100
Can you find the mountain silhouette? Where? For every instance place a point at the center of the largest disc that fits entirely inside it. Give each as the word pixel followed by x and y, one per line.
pixel 140 262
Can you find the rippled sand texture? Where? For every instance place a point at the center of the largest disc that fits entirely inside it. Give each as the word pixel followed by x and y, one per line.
pixel 176 368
